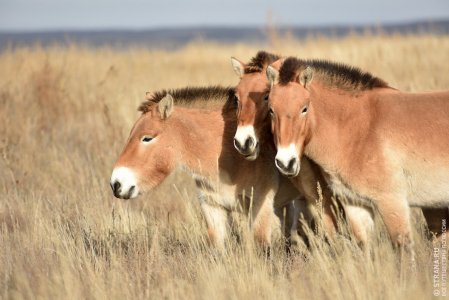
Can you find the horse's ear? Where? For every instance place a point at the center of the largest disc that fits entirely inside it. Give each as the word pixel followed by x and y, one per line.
pixel 238 66
pixel 165 106
pixel 306 76
pixel 277 64
pixel 272 75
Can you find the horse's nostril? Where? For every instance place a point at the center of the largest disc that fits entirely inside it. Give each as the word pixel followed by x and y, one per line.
pixel 237 144
pixel 280 164
pixel 131 190
pixel 249 143
pixel 116 187
pixel 291 164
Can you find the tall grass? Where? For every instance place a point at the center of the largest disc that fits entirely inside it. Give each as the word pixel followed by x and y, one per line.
pixel 65 113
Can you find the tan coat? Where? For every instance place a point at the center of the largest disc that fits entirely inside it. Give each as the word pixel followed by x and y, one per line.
pixel 254 129
pixel 376 144
pixel 193 128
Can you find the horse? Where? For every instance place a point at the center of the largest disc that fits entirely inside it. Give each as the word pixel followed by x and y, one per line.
pixel 375 143
pixel 253 135
pixel 193 128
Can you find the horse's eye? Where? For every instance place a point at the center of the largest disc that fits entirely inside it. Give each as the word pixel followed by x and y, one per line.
pixel 147 139
pixel 304 110
pixel 265 98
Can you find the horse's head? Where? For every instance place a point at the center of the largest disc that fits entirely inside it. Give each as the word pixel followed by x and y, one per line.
pixel 148 156
pixel 291 114
pixel 252 96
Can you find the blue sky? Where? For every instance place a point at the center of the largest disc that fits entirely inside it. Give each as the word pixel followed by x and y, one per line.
pixel 30 15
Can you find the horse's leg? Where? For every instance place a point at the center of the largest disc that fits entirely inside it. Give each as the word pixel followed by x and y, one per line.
pixel 395 213
pixel 361 223
pixel 328 218
pixel 261 215
pixel 288 216
pixel 296 207
pixel 217 223
pixel 283 214
pixel 287 209
pixel 312 183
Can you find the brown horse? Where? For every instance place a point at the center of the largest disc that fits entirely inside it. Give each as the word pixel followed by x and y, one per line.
pixel 254 135
pixel 375 143
pixel 193 128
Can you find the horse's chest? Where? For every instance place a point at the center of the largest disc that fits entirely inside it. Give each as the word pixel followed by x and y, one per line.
pixel 340 188
pixel 219 192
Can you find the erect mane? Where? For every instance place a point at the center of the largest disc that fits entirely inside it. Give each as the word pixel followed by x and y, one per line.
pixel 199 97
pixel 330 73
pixel 260 61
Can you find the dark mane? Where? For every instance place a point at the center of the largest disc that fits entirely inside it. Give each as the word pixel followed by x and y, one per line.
pixel 199 97
pixel 330 73
pixel 260 61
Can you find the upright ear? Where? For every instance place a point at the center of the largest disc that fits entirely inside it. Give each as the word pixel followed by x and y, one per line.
pixel 272 75
pixel 165 106
pixel 306 76
pixel 277 64
pixel 238 66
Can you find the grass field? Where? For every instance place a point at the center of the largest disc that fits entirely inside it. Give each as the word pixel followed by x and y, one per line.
pixel 65 113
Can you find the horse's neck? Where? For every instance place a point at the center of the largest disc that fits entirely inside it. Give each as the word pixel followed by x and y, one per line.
pixel 203 136
pixel 339 118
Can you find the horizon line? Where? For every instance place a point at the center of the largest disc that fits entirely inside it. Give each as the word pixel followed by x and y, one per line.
pixel 227 26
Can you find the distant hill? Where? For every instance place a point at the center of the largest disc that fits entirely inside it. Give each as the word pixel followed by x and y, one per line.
pixel 175 37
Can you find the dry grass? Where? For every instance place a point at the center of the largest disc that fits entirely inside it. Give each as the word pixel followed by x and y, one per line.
pixel 64 116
